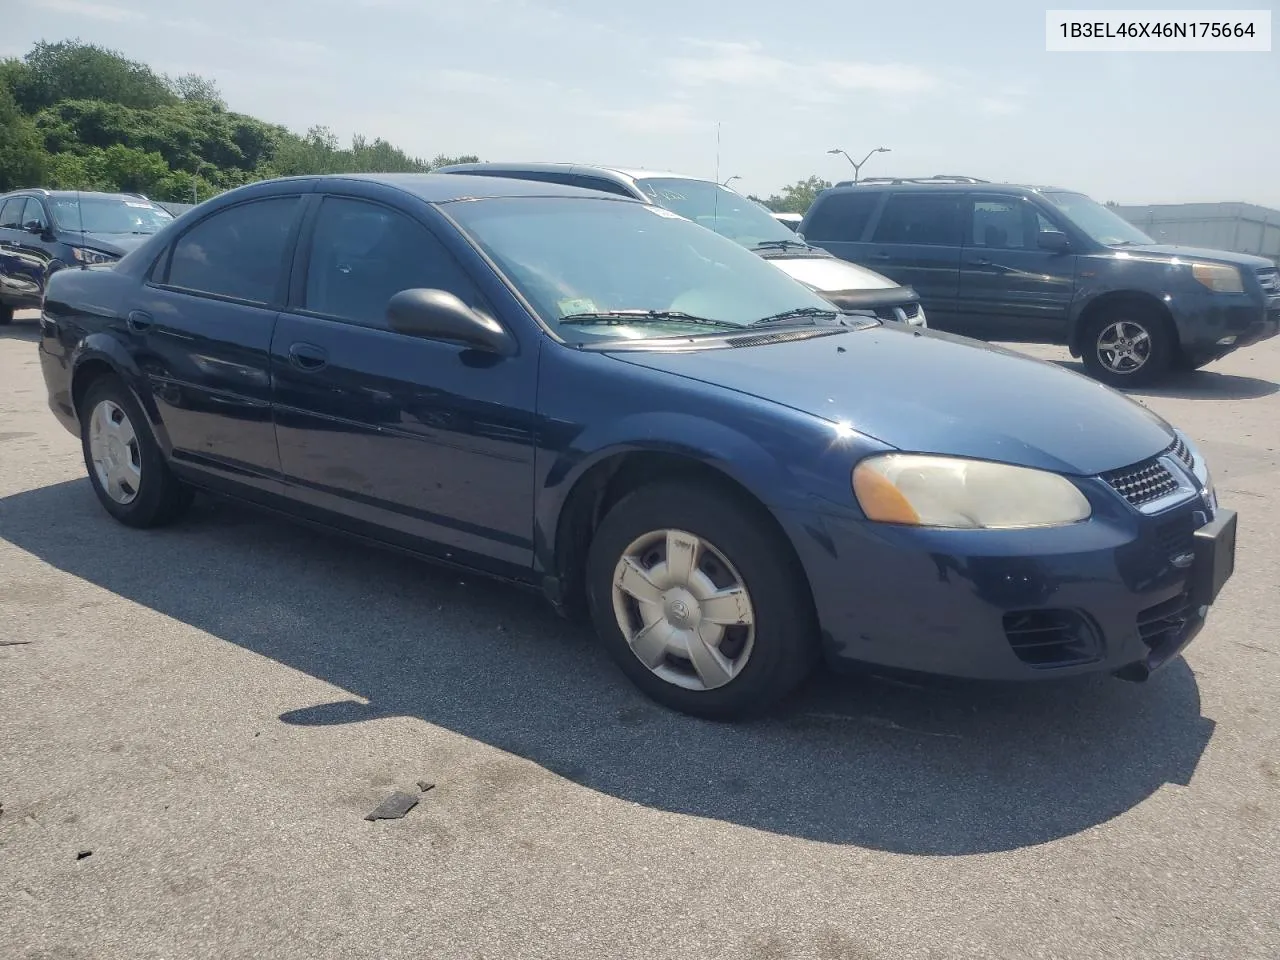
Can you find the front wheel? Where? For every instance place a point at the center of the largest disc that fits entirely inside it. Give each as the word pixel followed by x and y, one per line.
pixel 700 602
pixel 125 464
pixel 1128 347
pixel 6 314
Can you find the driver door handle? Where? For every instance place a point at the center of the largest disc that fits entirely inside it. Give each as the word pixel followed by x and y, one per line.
pixel 138 321
pixel 309 357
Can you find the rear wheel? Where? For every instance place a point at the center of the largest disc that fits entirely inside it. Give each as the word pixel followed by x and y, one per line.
pixel 125 464
pixel 1128 346
pixel 6 314
pixel 701 604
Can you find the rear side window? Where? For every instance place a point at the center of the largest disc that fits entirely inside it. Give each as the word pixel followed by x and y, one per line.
pixel 238 253
pixel 363 254
pixel 11 213
pixel 929 219
pixel 841 216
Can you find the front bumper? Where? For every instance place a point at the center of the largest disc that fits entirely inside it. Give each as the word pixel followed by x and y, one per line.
pixel 1214 327
pixel 1118 594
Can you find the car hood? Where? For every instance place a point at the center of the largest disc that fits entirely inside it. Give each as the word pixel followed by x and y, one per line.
pixel 927 391
pixel 117 243
pixel 1199 253
pixel 827 273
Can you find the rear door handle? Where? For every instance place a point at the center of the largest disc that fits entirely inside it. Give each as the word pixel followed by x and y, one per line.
pixel 307 356
pixel 980 262
pixel 881 256
pixel 139 321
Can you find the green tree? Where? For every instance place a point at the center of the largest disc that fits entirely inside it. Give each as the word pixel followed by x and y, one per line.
pixel 798 197
pixel 193 88
pixel 23 160
pixel 71 70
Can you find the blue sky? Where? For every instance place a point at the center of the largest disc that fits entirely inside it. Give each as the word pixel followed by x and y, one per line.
pixel 949 87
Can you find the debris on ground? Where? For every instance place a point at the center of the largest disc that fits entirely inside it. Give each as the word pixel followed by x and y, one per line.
pixel 84 853
pixel 15 643
pixel 425 785
pixel 394 807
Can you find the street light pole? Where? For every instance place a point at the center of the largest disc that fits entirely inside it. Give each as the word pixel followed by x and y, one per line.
pixel 730 180
pixel 857 166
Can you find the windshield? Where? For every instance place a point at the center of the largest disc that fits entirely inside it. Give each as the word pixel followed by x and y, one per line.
pixel 571 256
pixel 717 208
pixel 1100 223
pixel 109 215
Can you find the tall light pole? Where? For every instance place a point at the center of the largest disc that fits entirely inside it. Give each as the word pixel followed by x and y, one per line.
pixel 730 180
pixel 857 167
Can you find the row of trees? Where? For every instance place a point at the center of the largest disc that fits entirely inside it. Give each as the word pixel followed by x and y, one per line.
pixel 77 116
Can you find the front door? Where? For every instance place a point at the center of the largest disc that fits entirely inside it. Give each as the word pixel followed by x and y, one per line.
pixel 201 334
pixel 1011 289
pixel 409 440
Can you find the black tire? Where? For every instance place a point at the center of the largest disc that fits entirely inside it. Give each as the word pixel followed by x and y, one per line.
pixel 160 497
pixel 785 644
pixel 1161 337
pixel 6 314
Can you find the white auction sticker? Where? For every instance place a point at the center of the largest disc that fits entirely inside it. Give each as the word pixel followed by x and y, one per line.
pixel 1158 31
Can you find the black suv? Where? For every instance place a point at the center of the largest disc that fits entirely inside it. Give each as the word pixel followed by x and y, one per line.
pixel 1042 264
pixel 42 231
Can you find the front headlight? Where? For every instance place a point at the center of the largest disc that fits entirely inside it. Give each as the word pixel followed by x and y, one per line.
pixel 86 256
pixel 1218 277
pixel 919 319
pixel 931 491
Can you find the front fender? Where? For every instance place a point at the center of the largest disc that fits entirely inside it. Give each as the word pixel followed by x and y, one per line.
pixel 101 348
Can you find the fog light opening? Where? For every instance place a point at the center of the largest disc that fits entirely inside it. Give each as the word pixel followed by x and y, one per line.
pixel 1226 341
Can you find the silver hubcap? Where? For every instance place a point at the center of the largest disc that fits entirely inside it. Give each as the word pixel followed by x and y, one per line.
pixel 683 609
pixel 113 448
pixel 1124 346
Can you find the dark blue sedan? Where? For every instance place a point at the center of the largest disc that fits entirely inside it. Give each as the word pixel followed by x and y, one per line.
pixel 601 400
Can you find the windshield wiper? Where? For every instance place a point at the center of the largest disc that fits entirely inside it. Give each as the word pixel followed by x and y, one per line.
pixel 621 317
pixel 781 245
pixel 800 313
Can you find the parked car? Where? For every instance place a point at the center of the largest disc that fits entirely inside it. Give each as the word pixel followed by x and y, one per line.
pixel 850 287
pixel 596 398
pixel 42 231
pixel 791 221
pixel 1004 262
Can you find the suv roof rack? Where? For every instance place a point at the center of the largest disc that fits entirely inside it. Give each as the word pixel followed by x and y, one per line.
pixel 937 178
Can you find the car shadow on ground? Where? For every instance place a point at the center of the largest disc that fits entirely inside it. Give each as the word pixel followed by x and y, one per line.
pixel 935 770
pixel 20 330
pixel 1196 385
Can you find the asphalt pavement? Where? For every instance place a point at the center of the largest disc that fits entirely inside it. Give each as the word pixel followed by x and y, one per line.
pixel 195 721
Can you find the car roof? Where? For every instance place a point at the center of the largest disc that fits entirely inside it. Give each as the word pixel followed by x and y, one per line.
pixel 617 173
pixel 966 186
pixel 440 188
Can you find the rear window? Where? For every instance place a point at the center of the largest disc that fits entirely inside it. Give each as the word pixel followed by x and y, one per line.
pixel 841 216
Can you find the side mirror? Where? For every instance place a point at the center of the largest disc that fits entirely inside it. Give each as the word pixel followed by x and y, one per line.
pixel 36 227
pixel 1053 241
pixel 439 315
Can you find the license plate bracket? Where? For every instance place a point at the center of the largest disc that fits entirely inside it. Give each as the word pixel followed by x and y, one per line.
pixel 1215 558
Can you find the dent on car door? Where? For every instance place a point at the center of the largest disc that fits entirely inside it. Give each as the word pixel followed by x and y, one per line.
pixel 201 335
pixel 1011 288
pixel 916 241
pixel 410 440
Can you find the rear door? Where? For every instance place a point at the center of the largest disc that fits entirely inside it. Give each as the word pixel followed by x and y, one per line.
pixel 15 281
pixel 916 240
pixel 201 333
pixel 405 439
pixel 1010 289
pixel 839 224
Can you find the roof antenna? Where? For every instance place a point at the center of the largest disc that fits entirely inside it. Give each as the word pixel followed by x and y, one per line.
pixel 84 242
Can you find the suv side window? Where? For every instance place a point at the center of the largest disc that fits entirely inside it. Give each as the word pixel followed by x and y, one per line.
pixel 1001 224
pixel 11 213
pixel 842 217
pixel 34 212
pixel 362 254
pixel 237 253
pixel 928 219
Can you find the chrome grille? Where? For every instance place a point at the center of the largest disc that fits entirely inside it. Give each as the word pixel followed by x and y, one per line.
pixel 1269 278
pixel 1143 483
pixel 1183 453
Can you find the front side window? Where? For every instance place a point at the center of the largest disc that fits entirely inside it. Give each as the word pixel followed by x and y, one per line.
pixel 926 219
pixel 363 254
pixel 34 213
pixel 236 253
pixel 583 256
pixel 841 217
pixel 109 215
pixel 717 208
pixel 1103 225
pixel 1001 225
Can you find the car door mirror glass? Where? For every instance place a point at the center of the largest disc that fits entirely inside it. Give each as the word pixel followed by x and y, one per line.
pixel 36 227
pixel 1053 241
pixel 440 315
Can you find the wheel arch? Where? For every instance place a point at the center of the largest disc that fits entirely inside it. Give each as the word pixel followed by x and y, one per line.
pixel 101 356
pixel 1115 299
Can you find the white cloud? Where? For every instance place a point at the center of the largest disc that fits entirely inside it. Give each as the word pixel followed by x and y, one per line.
pixel 84 8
